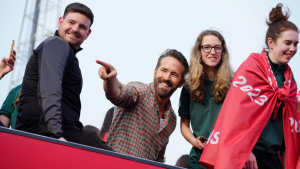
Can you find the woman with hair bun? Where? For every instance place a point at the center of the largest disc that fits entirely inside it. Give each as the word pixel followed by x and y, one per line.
pixel 202 96
pixel 259 116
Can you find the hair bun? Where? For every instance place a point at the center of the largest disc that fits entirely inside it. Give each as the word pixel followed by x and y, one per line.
pixel 277 15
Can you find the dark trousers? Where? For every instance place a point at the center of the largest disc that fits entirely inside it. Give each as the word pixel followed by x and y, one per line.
pixel 89 138
pixel 76 134
pixel 267 161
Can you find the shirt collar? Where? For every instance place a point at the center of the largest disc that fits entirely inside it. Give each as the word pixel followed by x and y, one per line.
pixel 168 104
pixel 275 66
pixel 74 50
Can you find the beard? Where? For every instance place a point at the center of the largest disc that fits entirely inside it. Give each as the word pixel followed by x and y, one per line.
pixel 161 92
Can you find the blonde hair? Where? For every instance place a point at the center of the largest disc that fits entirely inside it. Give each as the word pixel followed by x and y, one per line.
pixel 17 102
pixel 197 75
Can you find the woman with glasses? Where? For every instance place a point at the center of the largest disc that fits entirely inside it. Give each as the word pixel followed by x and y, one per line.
pixel 202 96
pixel 259 116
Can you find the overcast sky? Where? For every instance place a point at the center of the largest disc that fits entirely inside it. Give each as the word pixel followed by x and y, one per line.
pixel 132 34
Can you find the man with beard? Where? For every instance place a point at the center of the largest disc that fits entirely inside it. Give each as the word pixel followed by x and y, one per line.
pixel 143 117
pixel 50 98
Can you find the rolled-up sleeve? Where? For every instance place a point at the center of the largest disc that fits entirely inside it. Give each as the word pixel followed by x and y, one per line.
pixel 130 94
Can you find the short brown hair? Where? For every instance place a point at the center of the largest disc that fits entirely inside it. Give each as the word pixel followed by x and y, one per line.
pixel 80 8
pixel 278 22
pixel 177 55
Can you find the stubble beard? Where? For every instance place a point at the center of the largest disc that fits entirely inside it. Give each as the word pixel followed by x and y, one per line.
pixel 162 93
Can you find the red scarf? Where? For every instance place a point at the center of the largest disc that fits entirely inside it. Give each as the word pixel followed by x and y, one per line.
pixel 253 98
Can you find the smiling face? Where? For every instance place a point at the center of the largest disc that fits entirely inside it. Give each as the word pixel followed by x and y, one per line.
pixel 212 58
pixel 74 28
pixel 167 78
pixel 285 47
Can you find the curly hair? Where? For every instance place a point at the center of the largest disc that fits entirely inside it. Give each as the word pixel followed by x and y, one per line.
pixel 197 75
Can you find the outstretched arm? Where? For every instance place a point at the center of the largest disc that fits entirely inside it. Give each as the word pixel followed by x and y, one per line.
pixel 7 65
pixel 111 84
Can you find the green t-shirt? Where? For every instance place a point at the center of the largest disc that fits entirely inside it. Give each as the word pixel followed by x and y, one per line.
pixel 271 139
pixel 202 116
pixel 8 107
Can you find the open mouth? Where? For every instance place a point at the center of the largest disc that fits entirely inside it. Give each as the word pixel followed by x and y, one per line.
pixel 72 35
pixel 165 85
pixel 289 55
pixel 212 58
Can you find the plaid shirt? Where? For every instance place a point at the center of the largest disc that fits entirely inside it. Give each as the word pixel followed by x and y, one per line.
pixel 135 128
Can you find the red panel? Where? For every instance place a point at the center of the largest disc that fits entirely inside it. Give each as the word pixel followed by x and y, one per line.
pixel 27 153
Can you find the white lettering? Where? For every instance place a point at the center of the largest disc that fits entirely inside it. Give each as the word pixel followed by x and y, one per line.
pixel 265 98
pixel 296 127
pixel 253 94
pixel 246 88
pixel 216 138
pixel 210 136
pixel 240 82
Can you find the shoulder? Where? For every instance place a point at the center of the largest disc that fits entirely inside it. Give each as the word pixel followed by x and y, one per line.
pixel 14 93
pixel 138 85
pixel 57 45
pixel 51 40
pixel 252 62
pixel 17 88
pixel 56 48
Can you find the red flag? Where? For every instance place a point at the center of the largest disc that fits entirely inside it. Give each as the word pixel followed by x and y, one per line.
pixel 252 99
pixel 298 96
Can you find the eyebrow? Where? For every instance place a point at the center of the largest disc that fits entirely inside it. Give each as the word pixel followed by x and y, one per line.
pixel 291 41
pixel 171 71
pixel 79 24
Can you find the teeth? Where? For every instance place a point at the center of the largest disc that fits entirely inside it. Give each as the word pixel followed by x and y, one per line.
pixel 72 35
pixel 164 84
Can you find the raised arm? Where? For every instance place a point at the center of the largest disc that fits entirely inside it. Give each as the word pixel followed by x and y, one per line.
pixel 119 94
pixel 7 65
pixel 111 84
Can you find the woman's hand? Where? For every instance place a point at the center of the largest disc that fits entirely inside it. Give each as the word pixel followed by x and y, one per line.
pixel 198 144
pixel 251 162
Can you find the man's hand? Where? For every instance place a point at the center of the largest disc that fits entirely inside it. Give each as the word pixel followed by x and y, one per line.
pixel 62 139
pixel 106 71
pixel 251 162
pixel 7 65
pixel 111 84
pixel 198 144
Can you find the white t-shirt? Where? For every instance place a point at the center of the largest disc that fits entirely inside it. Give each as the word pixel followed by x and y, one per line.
pixel 161 122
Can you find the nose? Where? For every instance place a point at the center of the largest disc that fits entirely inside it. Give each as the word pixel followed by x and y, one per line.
pixel 167 77
pixel 213 51
pixel 293 48
pixel 75 28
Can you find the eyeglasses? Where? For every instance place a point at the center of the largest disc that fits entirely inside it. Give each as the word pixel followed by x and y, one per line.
pixel 207 48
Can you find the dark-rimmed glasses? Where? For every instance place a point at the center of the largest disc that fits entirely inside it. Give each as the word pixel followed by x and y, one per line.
pixel 207 48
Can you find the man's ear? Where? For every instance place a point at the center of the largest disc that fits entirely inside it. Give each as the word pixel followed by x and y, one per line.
pixel 154 73
pixel 89 32
pixel 60 20
pixel 181 83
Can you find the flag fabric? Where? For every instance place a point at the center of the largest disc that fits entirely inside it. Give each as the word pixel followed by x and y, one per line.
pixel 298 96
pixel 254 97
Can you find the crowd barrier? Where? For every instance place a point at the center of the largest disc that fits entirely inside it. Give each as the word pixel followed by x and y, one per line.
pixel 28 151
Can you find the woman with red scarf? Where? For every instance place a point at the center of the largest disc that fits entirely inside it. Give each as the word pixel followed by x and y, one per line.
pixel 259 115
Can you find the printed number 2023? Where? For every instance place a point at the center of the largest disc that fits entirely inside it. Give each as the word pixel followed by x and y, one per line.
pixel 245 88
